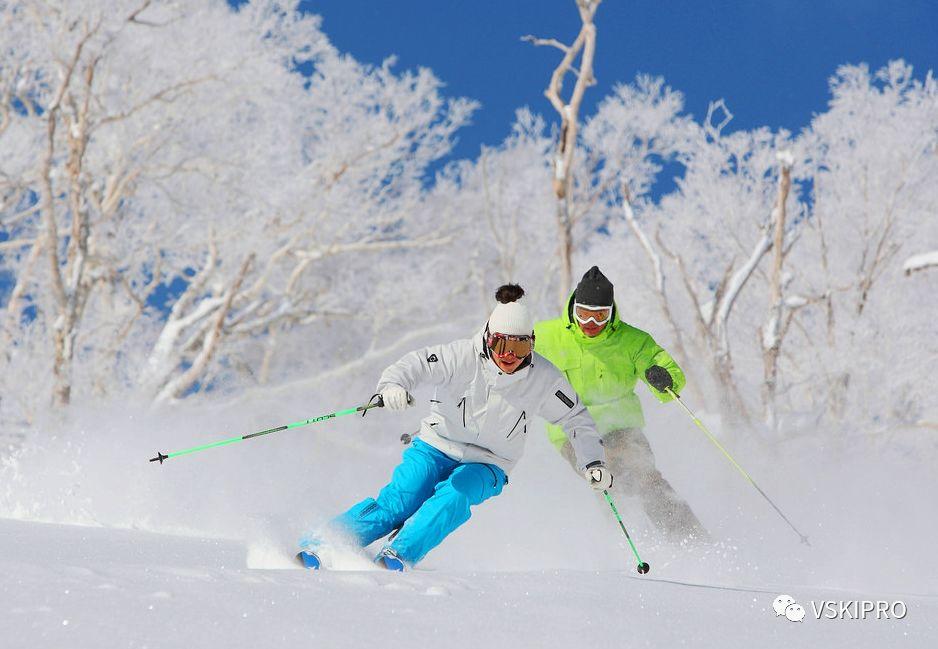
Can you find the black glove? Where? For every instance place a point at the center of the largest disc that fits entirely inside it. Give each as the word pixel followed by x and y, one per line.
pixel 658 378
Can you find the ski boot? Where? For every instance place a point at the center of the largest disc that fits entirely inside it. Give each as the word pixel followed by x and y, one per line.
pixel 389 560
pixel 309 559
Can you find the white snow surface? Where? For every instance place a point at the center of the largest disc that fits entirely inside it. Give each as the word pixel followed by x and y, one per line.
pixel 66 586
pixel 100 548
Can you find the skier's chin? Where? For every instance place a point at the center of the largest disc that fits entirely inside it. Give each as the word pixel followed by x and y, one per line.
pixel 592 330
pixel 508 366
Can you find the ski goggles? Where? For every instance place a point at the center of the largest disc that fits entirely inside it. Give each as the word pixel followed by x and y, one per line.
pixel 598 314
pixel 501 345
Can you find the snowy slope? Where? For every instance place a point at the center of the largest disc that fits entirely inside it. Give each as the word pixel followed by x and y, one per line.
pixel 66 586
pixel 196 553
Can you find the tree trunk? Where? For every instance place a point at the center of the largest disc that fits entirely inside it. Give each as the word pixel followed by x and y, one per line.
pixel 772 330
pixel 585 47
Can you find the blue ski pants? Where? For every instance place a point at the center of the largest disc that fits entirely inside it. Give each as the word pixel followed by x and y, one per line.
pixel 430 493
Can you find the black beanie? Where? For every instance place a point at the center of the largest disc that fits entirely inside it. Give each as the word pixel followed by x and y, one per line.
pixel 594 289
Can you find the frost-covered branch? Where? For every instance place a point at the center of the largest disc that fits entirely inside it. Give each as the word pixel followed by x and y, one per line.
pixel 176 387
pixel 370 246
pixel 920 262
pixel 733 288
pixel 655 260
pixel 165 95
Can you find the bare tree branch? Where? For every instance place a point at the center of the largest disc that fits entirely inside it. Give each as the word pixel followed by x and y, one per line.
pixel 551 42
pixel 568 111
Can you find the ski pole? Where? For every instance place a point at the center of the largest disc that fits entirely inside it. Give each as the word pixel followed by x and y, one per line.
pixel 642 566
pixel 373 403
pixel 700 425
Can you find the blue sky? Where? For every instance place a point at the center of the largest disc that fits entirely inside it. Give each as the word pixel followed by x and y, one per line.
pixel 771 61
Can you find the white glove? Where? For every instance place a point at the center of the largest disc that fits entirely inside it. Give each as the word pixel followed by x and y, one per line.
pixel 599 477
pixel 395 397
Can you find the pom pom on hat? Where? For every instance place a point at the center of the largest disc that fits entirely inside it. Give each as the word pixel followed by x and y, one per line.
pixel 510 316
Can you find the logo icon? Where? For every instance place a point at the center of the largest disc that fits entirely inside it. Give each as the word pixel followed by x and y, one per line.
pixel 787 606
pixel 432 358
pixel 795 612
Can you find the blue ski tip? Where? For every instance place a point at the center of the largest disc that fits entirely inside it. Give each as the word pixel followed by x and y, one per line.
pixel 308 560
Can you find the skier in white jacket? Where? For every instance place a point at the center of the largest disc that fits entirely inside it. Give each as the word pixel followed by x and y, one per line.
pixel 487 389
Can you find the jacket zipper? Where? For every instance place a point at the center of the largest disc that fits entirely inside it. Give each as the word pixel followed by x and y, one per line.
pixel 520 417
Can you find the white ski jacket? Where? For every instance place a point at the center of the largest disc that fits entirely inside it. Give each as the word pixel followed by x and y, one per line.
pixel 480 414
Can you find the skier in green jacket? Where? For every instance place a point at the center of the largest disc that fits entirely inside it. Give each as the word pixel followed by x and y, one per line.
pixel 603 358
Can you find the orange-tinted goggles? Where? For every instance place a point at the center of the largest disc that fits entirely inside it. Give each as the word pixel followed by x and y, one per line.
pixel 598 314
pixel 518 346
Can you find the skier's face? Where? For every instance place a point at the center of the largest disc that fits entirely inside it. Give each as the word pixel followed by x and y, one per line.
pixel 509 351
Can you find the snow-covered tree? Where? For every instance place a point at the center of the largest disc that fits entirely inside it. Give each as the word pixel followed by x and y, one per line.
pixel 785 248
pixel 504 202
pixel 873 160
pixel 174 189
pixel 193 195
pixel 636 130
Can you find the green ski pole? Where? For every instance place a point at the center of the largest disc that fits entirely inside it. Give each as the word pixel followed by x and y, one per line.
pixel 379 403
pixel 700 425
pixel 642 566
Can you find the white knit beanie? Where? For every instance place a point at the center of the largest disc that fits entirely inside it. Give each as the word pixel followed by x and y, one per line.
pixel 512 319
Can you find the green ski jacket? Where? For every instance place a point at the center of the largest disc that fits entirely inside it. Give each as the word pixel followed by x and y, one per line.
pixel 604 370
